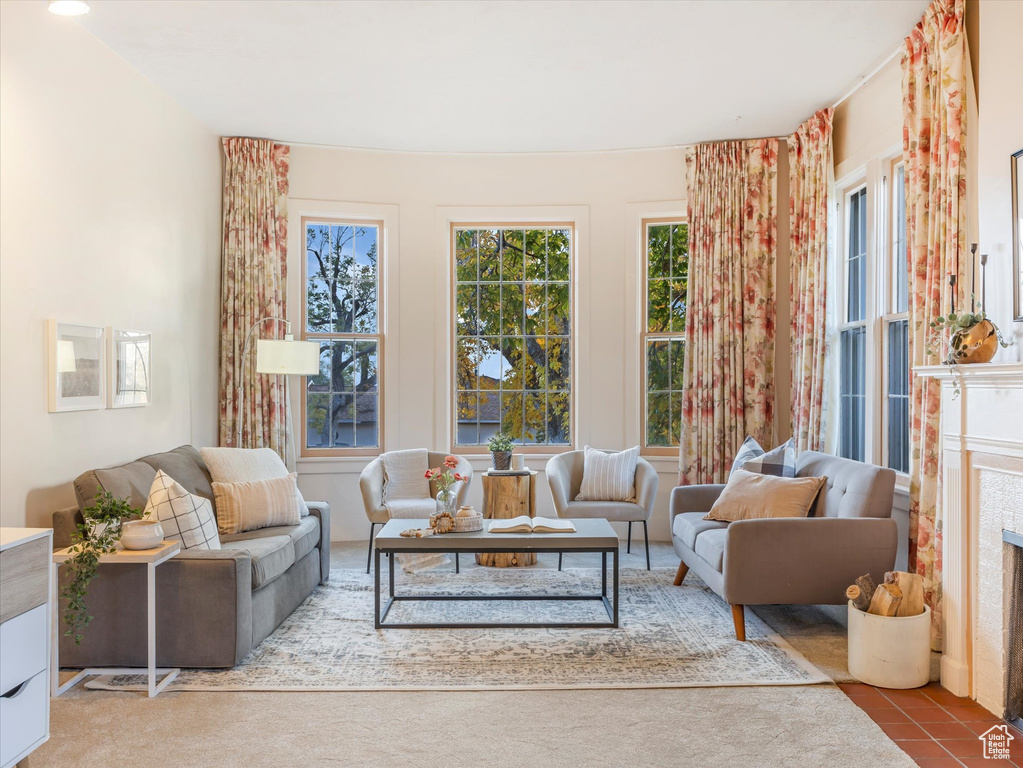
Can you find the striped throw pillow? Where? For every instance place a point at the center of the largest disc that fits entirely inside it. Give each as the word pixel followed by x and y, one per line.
pixel 258 504
pixel 608 476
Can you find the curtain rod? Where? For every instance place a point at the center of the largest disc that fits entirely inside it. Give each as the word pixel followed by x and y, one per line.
pixel 869 76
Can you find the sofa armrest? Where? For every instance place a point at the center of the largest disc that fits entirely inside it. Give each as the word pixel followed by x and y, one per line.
pixel 805 560
pixel 693 498
pixel 559 481
pixel 321 511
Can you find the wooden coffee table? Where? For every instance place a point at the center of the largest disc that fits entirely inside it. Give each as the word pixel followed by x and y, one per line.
pixel 592 535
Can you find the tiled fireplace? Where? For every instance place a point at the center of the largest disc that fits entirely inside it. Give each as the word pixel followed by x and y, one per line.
pixel 982 514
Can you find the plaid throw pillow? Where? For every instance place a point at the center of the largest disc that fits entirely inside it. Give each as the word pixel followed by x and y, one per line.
pixel 184 517
pixel 780 462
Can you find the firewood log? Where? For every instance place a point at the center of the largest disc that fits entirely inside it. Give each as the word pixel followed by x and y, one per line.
pixel 867 586
pixel 912 587
pixel 886 600
pixel 858 597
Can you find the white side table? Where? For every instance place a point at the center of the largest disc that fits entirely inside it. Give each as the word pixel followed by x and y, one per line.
pixel 152 558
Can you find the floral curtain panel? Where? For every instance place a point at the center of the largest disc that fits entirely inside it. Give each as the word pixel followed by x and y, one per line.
pixel 810 172
pixel 728 369
pixel 253 280
pixel 934 152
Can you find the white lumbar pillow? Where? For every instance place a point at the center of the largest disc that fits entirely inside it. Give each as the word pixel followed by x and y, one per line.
pixel 245 465
pixel 184 517
pixel 248 506
pixel 608 476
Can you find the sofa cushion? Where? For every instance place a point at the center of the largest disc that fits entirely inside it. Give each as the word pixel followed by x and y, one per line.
pixel 710 545
pixel 305 536
pixel 132 481
pixel 609 510
pixel 271 555
pixel 689 525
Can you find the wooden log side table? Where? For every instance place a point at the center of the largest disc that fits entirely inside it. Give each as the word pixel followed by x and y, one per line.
pixel 151 558
pixel 504 497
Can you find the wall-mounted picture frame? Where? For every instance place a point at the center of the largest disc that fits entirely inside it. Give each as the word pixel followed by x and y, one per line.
pixel 1017 235
pixel 131 369
pixel 77 367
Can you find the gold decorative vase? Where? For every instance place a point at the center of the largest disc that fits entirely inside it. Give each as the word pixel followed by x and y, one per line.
pixel 975 345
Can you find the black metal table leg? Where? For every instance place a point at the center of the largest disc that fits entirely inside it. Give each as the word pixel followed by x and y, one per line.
pixel 614 621
pixel 376 592
pixel 628 540
pixel 603 574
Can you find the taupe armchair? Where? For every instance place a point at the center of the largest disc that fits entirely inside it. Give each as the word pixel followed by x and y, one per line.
pixel 565 476
pixel 371 483
pixel 791 560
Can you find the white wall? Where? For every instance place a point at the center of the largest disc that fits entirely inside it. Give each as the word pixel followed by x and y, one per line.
pixel 109 215
pixel 610 191
pixel 1000 133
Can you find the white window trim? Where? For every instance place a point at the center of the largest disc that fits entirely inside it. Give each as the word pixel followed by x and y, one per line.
pixel 389 253
pixel 446 216
pixel 875 176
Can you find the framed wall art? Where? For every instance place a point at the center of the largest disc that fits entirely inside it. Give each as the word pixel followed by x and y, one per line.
pixel 131 354
pixel 77 367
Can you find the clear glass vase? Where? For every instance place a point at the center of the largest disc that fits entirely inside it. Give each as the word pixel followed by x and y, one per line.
pixel 446 501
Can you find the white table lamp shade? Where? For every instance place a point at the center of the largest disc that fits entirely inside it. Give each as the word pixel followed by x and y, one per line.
pixel 65 356
pixel 287 357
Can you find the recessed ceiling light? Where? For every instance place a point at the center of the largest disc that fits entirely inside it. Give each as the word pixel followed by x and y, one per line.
pixel 68 7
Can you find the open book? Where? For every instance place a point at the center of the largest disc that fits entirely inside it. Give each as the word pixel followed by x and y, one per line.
pixel 527 524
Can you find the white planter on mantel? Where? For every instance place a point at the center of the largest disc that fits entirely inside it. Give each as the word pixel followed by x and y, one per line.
pixel 981 494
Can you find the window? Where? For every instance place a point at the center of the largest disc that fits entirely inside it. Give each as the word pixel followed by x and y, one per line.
pixel 853 331
pixel 667 277
pixel 872 303
pixel 896 331
pixel 513 334
pixel 342 303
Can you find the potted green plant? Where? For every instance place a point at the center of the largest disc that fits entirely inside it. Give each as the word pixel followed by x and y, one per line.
pixel 96 535
pixel 972 338
pixel 500 446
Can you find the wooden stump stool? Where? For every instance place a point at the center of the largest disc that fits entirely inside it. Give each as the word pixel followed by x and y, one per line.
pixel 504 497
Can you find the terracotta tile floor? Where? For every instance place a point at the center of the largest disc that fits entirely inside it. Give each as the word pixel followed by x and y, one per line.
pixel 932 726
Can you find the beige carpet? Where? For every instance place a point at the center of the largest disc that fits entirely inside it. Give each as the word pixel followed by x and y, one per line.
pixel 794 726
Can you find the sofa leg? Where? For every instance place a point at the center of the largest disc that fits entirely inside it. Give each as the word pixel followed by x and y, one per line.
pixel 739 619
pixel 628 540
pixel 369 557
pixel 683 569
pixel 646 543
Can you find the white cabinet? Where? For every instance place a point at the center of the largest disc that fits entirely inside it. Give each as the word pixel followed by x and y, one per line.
pixel 25 640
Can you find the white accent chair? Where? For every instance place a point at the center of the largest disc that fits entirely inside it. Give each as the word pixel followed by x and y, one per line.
pixel 371 483
pixel 565 476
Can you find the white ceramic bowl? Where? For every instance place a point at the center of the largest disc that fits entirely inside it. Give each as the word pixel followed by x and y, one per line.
pixel 141 534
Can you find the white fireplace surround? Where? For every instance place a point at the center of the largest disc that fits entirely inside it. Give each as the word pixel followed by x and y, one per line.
pixel 982 494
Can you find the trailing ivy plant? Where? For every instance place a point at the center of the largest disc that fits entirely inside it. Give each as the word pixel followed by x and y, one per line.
pixel 96 535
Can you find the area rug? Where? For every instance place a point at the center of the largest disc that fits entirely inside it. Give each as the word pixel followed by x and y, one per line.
pixel 670 637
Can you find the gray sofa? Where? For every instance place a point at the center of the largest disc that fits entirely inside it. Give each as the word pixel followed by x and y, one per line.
pixel 213 606
pixel 808 561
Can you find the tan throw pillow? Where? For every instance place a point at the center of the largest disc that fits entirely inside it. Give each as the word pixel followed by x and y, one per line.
pixel 750 495
pixel 258 504
pixel 236 465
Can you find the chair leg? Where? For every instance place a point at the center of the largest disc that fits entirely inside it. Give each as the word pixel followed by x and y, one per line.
pixel 560 555
pixel 628 540
pixel 739 619
pixel 456 563
pixel 683 569
pixel 369 557
pixel 646 543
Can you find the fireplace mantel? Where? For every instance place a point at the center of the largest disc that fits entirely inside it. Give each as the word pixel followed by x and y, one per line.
pixel 981 495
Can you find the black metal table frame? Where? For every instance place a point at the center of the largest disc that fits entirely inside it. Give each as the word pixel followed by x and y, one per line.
pixel 610 603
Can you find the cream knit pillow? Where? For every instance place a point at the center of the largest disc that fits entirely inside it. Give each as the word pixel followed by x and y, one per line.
pixel 236 465
pixel 258 504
